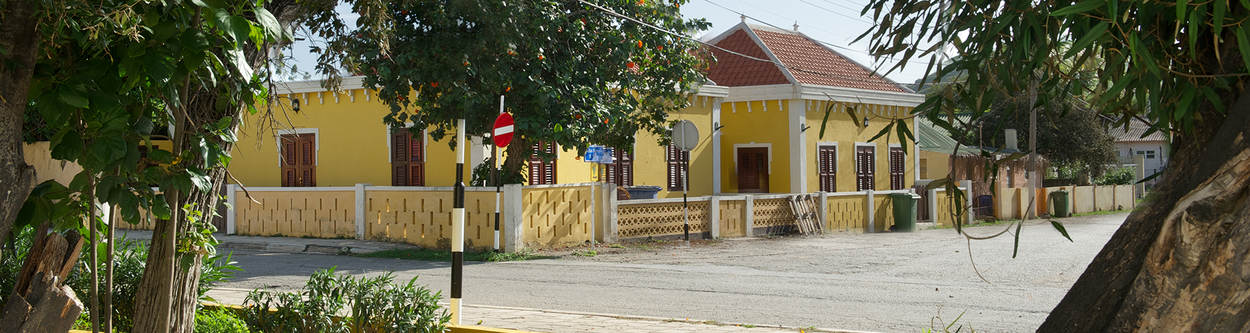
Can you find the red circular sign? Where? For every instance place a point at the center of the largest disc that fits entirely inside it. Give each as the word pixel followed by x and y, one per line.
pixel 502 133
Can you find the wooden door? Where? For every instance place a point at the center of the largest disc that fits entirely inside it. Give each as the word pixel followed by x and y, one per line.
pixel 407 158
pixel 898 163
pixel 621 170
pixel 299 160
pixel 753 170
pixel 827 164
pixel 866 165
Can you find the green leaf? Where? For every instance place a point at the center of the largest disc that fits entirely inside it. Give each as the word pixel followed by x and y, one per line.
pixel 1015 248
pixel 242 67
pixel 73 98
pixel 1181 5
pixel 200 180
pixel 1243 45
pixel 265 19
pixel 1063 231
pixel 1217 22
pixel 824 122
pixel 1080 7
pixel 903 134
pixel 885 130
pixel 160 208
pixel 1093 34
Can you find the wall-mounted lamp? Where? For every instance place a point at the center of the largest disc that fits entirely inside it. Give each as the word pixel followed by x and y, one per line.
pixel 865 121
pixel 295 104
pixel 803 128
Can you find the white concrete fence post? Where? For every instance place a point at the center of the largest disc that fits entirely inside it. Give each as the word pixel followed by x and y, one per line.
pixel 360 211
pixel 513 225
pixel 750 215
pixel 872 224
pixel 933 206
pixel 607 196
pixel 968 201
pixel 609 223
pixel 231 226
pixel 713 216
pixel 824 211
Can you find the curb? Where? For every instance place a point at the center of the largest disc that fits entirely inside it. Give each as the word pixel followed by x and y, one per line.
pixel 662 319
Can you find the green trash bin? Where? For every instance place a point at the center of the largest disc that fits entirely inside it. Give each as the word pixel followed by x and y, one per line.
pixel 904 211
pixel 1059 200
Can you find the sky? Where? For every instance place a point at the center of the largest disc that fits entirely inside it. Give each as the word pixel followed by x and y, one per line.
pixel 833 21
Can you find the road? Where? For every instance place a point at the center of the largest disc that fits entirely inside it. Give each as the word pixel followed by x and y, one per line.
pixel 874 282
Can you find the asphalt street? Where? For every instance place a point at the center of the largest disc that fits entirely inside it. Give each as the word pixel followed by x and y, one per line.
pixel 876 282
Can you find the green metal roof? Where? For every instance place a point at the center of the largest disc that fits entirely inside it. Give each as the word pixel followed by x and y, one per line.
pixel 935 139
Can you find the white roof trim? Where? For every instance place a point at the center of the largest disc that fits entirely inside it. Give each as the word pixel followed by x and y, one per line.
pixel 294 87
pixel 853 95
pixel 818 93
pixel 712 90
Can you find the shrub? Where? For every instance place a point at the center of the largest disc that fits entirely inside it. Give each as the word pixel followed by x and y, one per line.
pixel 1120 176
pixel 129 258
pixel 218 321
pixel 376 304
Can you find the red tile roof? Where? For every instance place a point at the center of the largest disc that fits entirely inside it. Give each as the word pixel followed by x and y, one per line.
pixel 733 70
pixel 807 60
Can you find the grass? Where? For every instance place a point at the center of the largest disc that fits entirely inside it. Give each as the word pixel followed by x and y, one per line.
pixel 586 253
pixel 442 255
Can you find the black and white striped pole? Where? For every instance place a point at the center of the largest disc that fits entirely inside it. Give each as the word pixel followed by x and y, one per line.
pixel 494 161
pixel 457 226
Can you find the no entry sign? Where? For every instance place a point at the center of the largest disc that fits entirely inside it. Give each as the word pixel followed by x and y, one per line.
pixel 502 134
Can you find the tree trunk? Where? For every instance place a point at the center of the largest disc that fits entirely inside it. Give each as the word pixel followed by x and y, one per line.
pixel 19 40
pixel 41 302
pixel 167 296
pixel 519 152
pixel 1194 232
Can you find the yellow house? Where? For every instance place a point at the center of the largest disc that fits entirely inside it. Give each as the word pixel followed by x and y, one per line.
pixel 762 133
pixel 338 139
pixel 759 116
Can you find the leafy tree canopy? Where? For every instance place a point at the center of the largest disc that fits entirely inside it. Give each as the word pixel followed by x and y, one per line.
pixel 572 73
pixel 1067 134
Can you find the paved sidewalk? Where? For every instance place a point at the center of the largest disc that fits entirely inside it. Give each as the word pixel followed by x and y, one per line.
pixel 538 320
pixel 286 244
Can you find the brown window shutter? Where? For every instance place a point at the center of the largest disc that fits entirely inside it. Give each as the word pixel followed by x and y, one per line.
pixel 399 157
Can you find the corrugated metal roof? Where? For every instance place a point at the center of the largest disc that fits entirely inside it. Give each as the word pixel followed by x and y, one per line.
pixel 1136 132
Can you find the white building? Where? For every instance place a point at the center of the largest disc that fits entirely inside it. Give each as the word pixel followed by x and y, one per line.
pixel 1132 142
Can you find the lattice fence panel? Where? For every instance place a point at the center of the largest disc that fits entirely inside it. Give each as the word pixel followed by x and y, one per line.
pixel 773 213
pixel 660 219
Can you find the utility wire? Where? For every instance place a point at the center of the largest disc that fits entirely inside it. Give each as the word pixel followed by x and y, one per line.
pixel 861 19
pixel 739 54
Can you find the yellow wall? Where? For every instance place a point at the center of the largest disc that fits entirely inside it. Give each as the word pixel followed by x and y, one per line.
pixel 841 129
pixel 651 168
pixel 764 122
pixel 351 137
pixel 934 165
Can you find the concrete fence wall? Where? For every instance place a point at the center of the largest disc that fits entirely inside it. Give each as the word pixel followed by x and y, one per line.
pixel 1081 199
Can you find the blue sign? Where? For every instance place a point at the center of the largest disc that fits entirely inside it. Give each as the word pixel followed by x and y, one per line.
pixel 598 154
